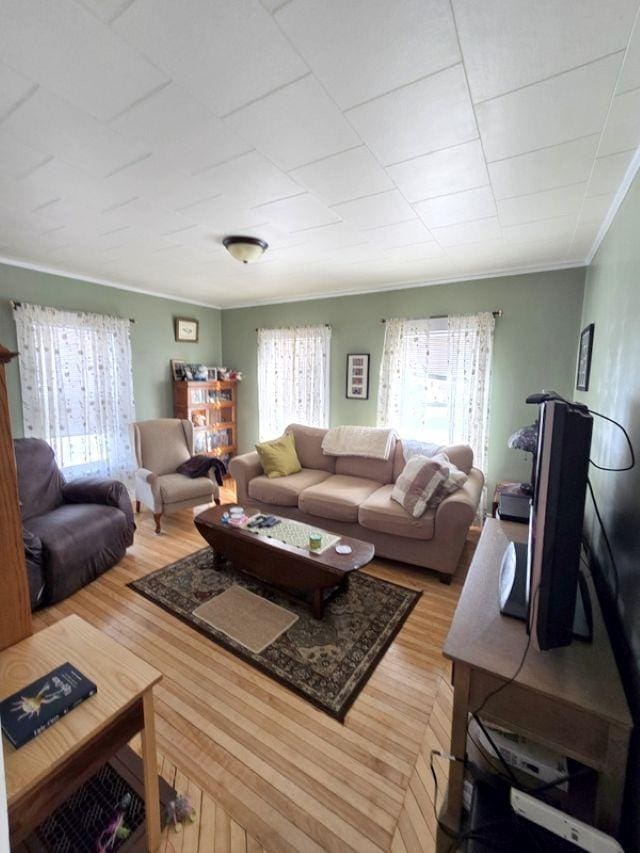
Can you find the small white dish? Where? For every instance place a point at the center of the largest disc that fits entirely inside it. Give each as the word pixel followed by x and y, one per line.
pixel 343 549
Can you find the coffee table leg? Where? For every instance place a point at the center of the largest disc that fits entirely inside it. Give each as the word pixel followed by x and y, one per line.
pixel 150 766
pixel 318 604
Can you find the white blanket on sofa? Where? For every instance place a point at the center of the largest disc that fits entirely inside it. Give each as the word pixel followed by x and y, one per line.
pixel 358 441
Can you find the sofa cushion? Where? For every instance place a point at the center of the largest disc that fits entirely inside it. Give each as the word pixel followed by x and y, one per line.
pixel 338 497
pixel 380 470
pixel 177 487
pixel 284 491
pixel 454 480
pixel 460 454
pixel 309 447
pixel 379 512
pixel 418 481
pixel 278 457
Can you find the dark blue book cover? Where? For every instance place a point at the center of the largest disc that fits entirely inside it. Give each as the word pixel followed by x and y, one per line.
pixel 37 706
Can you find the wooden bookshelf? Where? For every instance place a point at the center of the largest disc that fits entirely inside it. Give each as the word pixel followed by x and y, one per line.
pixel 211 408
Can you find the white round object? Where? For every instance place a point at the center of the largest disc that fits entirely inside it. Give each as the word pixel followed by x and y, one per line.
pixel 236 512
pixel 343 549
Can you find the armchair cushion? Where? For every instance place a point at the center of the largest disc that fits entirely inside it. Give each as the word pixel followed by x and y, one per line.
pixel 79 542
pixel 161 444
pixel 94 490
pixel 175 488
pixel 39 479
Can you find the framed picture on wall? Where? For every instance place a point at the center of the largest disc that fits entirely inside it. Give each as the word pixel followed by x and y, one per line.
pixel 186 329
pixel 358 376
pixel 584 358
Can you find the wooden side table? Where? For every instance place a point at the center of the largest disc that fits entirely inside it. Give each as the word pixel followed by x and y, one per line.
pixel 569 699
pixel 44 772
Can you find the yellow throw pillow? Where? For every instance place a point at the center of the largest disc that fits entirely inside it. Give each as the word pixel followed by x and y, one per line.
pixel 279 458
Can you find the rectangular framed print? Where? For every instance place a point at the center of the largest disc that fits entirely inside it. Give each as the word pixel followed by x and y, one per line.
pixel 358 376
pixel 584 358
pixel 186 329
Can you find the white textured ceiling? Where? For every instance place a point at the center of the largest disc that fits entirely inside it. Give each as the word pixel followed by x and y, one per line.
pixel 371 143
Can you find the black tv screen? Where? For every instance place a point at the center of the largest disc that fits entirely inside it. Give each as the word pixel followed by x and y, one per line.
pixel 557 517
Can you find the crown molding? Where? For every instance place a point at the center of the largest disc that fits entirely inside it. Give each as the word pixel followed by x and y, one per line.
pixel 623 189
pixel 103 282
pixel 307 297
pixel 498 273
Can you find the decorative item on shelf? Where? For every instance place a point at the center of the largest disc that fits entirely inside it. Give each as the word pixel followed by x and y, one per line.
pixel 212 374
pixel 198 419
pixel 235 375
pixel 186 329
pixel 358 376
pixel 245 249
pixel 177 370
pixel 584 358
pixel 526 439
pixel 200 372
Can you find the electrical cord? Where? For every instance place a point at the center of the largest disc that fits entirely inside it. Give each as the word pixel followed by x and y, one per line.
pixel 509 681
pixel 629 445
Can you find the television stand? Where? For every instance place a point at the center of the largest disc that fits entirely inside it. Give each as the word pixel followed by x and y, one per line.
pixel 514 592
pixel 568 699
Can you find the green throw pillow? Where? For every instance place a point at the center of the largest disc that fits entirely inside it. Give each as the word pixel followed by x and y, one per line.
pixel 279 458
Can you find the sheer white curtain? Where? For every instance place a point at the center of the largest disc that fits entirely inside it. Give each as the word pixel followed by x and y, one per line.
pixel 470 358
pixel 293 378
pixel 403 393
pixel 435 380
pixel 77 388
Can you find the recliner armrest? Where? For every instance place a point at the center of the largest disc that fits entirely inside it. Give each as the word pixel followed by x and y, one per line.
pixel 95 490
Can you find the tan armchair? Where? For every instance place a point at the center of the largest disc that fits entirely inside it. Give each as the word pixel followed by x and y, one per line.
pixel 160 446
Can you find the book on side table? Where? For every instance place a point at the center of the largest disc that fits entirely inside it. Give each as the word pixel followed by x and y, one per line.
pixel 28 712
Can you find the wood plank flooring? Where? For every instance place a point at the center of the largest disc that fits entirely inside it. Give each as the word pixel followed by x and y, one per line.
pixel 268 770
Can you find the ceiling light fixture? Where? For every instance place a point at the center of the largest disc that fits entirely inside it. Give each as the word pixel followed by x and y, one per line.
pixel 245 249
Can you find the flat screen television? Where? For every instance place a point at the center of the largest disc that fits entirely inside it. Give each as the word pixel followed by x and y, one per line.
pixel 541 581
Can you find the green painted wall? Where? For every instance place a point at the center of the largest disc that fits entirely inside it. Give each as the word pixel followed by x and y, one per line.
pixel 535 347
pixel 612 302
pixel 152 336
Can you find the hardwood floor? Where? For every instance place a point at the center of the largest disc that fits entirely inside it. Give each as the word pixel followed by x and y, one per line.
pixel 268 770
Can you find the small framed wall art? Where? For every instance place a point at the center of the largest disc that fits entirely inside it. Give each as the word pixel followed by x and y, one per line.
pixel 358 376
pixel 186 329
pixel 584 358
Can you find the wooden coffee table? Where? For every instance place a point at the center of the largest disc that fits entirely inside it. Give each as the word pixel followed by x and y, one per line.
pixel 301 573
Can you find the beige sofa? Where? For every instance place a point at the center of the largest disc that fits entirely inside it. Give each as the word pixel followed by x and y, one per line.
pixel 351 495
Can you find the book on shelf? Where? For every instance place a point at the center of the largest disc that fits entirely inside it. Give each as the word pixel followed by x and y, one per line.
pixel 28 712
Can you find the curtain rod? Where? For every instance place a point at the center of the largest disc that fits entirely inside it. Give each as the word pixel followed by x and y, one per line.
pixel 14 304
pixel 497 313
pixel 270 328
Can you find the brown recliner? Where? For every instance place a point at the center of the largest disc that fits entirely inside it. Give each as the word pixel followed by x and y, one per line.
pixel 73 531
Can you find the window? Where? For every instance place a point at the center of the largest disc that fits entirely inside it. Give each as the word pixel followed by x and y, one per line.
pixel 293 378
pixel 434 380
pixel 77 388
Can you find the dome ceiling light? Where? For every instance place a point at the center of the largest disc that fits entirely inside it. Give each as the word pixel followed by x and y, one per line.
pixel 245 249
